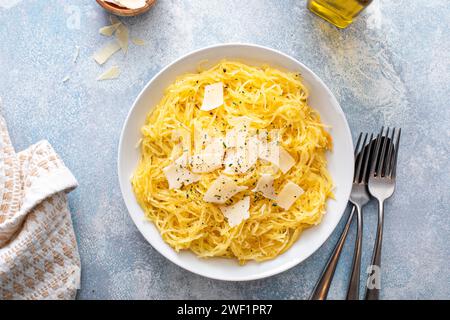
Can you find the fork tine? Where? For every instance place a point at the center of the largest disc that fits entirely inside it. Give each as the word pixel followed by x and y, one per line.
pixel 357 144
pixel 375 153
pixel 394 158
pixel 389 155
pixel 367 158
pixel 357 177
pixel 356 154
pixel 382 155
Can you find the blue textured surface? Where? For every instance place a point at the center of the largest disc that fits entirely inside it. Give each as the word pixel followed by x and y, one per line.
pixel 391 67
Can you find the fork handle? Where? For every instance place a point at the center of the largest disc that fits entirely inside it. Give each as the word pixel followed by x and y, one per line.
pixel 373 287
pixel 323 285
pixel 353 287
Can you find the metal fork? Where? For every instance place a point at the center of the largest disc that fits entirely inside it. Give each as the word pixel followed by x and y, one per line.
pixel 359 196
pixel 381 187
pixel 322 287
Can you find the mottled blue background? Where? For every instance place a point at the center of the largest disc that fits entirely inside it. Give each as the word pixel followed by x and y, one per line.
pixel 391 67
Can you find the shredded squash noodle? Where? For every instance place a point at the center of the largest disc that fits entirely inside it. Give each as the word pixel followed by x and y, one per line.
pixel 271 99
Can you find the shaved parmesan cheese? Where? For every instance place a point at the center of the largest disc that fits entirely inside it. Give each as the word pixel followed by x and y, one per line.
pixel 265 186
pixel 130 4
pixel 245 149
pixel 106 52
pixel 111 73
pixel 205 162
pixel 109 30
pixel 222 189
pixel 247 154
pixel 213 97
pixel 177 175
pixel 243 157
pixel 183 160
pixel 122 37
pixel 288 195
pixel 277 155
pixel 201 138
pixel 229 161
pixel 231 138
pixel 177 151
pixel 269 151
pixel 239 132
pixel 215 145
pixel 211 158
pixel 286 161
pixel 138 42
pixel 237 212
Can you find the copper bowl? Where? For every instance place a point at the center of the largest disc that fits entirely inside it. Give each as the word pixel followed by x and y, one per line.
pixel 125 12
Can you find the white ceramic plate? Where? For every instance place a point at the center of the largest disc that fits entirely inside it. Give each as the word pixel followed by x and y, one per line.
pixel 340 161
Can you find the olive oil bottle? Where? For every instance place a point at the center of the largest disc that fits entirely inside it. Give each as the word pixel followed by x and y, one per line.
pixel 338 12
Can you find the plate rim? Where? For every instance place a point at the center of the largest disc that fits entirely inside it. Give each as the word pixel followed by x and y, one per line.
pixel 284 267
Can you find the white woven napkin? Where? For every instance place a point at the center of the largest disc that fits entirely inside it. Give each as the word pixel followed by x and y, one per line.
pixel 38 252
